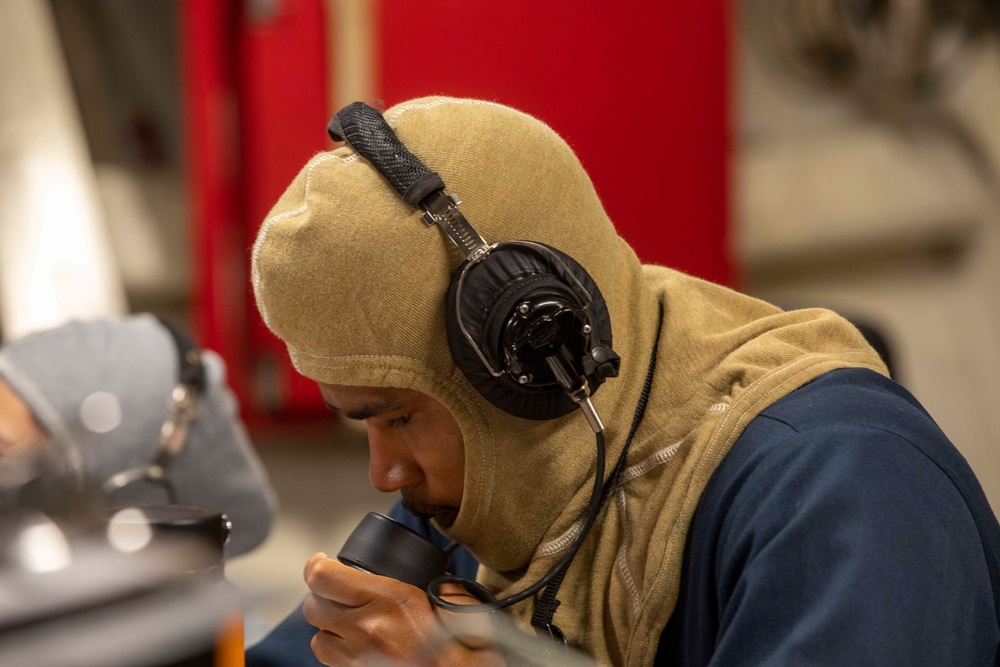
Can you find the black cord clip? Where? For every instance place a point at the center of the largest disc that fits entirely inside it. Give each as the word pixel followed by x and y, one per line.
pixel 552 630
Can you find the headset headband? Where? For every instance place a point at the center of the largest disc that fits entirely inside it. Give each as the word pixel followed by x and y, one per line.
pixel 364 128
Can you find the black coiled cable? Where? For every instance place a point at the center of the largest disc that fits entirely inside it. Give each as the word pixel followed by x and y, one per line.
pixel 490 603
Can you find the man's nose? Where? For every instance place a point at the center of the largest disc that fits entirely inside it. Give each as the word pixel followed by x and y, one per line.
pixel 389 468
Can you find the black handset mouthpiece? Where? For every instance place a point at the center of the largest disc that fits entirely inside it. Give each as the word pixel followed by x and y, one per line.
pixel 383 546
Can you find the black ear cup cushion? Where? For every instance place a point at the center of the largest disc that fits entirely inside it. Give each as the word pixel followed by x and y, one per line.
pixel 490 291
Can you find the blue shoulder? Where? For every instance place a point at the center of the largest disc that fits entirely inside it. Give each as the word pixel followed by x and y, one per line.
pixel 845 525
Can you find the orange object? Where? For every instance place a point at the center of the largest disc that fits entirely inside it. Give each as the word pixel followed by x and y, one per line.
pixel 229 646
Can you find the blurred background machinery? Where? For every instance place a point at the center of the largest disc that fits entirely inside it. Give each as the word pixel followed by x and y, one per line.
pixel 838 153
pixel 867 182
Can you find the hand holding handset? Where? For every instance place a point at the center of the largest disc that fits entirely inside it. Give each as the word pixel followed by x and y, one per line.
pixel 384 546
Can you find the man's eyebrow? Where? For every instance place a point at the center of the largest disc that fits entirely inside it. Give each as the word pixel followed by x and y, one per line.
pixel 368 411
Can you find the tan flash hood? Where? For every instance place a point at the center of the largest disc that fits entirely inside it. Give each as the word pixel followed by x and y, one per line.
pixel 355 283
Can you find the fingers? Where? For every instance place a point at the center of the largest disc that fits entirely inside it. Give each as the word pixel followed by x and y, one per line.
pixel 324 614
pixel 341 583
pixel 331 649
pixel 350 633
pixel 335 581
pixel 361 614
pixel 352 604
pixel 457 594
pixel 346 630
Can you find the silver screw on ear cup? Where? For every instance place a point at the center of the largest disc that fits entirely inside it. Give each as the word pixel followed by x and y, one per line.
pixel 586 328
pixel 524 308
pixel 524 379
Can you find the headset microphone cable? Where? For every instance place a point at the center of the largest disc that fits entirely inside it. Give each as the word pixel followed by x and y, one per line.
pixel 542 618
pixel 547 604
pixel 477 589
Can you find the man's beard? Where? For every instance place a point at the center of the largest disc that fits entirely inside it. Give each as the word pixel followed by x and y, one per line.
pixel 426 510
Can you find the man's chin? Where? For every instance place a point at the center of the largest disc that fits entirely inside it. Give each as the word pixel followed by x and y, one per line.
pixel 447 518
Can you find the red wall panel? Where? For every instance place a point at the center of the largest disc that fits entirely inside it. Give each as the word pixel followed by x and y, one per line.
pixel 639 89
pixel 211 118
pixel 255 84
pixel 283 82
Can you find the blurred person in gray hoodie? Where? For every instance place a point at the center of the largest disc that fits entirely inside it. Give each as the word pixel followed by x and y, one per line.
pixel 131 406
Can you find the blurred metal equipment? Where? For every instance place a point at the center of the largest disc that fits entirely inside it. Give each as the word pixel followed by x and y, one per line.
pixel 123 63
pixel 70 601
pixel 55 258
pixel 889 53
pixel 125 587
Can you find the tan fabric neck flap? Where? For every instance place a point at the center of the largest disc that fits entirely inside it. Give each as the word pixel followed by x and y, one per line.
pixel 723 358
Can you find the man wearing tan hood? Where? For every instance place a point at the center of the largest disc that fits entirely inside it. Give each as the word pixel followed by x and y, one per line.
pixel 779 500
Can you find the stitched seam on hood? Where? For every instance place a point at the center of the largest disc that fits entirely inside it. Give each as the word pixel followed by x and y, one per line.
pixel 359 356
pixel 266 227
pixel 559 543
pixel 437 103
pixel 622 557
pixel 646 465
pixel 651 462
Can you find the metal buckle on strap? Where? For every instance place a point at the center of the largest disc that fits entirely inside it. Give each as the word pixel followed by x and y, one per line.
pixel 443 211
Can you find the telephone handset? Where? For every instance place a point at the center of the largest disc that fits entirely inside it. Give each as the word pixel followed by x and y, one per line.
pixel 384 546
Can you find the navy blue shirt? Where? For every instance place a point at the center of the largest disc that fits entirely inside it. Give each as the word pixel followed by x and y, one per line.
pixel 842 528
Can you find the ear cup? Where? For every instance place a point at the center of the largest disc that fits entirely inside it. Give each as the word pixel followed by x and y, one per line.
pixel 490 294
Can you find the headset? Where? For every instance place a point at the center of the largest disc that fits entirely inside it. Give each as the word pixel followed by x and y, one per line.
pixel 526 324
pixel 183 410
pixel 529 329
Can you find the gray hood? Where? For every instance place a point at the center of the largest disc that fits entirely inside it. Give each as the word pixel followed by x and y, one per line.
pixel 100 389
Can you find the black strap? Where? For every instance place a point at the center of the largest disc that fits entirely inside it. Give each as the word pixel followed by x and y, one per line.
pixel 191 370
pixel 364 128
